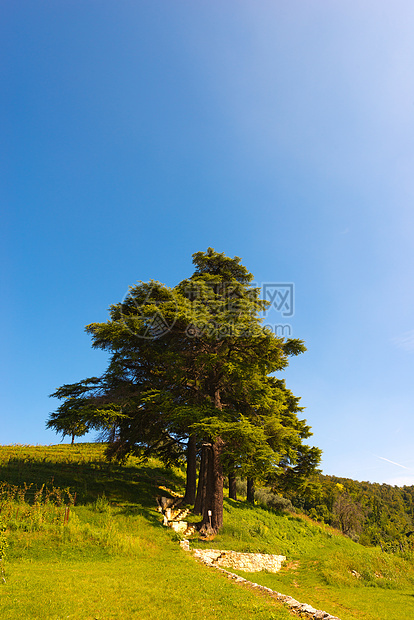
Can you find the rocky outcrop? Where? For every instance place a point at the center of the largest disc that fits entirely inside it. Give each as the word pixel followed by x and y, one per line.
pixel 174 515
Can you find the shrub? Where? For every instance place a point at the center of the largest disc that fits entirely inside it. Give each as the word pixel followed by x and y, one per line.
pixel 102 504
pixel 272 500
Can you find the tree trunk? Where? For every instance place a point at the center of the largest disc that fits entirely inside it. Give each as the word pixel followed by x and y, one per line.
pixel 113 434
pixel 202 480
pixel 250 490
pixel 232 487
pixel 73 439
pixel 191 481
pixel 213 506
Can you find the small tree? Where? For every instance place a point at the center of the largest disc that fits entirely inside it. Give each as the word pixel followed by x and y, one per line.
pixel 348 515
pixel 69 425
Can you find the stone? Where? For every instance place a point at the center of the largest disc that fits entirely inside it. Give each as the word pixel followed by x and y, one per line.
pixel 253 562
pixel 292 602
pixel 178 526
pixel 164 502
pixel 307 609
pixel 247 562
pixel 184 544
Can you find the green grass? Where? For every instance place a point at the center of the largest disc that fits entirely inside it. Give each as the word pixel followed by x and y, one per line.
pixel 113 558
pixel 122 587
pixel 319 564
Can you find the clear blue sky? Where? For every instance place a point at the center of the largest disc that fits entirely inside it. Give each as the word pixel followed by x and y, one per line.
pixel 135 133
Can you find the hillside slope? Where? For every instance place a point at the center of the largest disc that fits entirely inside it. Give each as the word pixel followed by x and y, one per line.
pixel 90 544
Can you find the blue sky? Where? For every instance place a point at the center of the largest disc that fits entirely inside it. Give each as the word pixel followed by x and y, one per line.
pixel 135 133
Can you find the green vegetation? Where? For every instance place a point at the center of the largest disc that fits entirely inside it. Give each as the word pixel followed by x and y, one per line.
pixel 369 513
pixel 323 567
pixel 86 542
pixel 112 559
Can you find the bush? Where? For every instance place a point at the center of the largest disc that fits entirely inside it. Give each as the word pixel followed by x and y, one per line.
pixel 102 504
pixel 265 497
pixel 272 500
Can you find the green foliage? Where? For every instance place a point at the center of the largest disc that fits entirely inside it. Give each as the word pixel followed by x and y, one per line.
pixel 372 513
pixel 29 509
pixel 102 505
pixel 3 540
pixel 265 497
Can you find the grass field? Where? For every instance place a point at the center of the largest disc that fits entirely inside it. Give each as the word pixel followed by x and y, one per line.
pixel 86 542
pixel 113 558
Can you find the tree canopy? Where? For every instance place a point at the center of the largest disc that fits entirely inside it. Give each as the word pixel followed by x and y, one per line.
pixel 192 372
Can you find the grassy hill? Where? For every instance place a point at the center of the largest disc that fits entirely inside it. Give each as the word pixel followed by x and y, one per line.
pixel 86 542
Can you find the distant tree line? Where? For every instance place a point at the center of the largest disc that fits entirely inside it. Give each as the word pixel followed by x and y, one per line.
pixel 371 513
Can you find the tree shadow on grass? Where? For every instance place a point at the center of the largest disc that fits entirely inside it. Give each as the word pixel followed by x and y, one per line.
pixel 120 483
pixel 147 512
